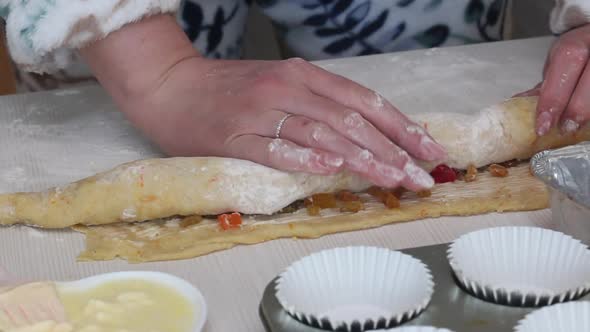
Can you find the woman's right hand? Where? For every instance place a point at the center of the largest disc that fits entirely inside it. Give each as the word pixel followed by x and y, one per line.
pixel 192 106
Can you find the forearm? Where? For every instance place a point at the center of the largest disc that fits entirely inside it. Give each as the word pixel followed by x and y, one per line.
pixel 135 58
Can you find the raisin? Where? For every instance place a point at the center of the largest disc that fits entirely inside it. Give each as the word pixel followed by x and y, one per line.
pixel 471 174
pixel 324 201
pixel 385 197
pixel 347 196
pixel 391 201
pixel 424 193
pixel 498 170
pixel 189 221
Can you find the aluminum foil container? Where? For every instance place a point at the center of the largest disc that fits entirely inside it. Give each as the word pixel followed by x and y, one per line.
pixel 567 173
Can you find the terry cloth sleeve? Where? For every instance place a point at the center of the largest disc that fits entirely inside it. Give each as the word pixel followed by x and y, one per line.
pixel 569 14
pixel 42 34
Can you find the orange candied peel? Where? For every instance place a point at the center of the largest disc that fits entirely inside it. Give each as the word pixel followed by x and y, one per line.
pixel 230 220
pixel 498 170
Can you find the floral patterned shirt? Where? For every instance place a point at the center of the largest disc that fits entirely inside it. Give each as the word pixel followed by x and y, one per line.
pixel 320 29
pixel 43 35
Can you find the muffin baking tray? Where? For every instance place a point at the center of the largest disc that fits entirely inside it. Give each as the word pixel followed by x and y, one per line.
pixel 450 307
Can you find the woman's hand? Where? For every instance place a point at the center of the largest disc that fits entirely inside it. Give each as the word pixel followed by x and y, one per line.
pixel 190 106
pixel 564 94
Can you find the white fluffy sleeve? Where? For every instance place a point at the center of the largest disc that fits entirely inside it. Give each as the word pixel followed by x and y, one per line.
pixel 569 14
pixel 42 33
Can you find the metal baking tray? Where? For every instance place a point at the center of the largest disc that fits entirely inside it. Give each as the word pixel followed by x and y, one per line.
pixel 451 307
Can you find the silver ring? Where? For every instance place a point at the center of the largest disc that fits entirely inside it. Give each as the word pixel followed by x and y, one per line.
pixel 281 124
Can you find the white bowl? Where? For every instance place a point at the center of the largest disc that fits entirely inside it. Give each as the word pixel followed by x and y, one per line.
pixel 563 317
pixel 521 266
pixel 355 288
pixel 184 288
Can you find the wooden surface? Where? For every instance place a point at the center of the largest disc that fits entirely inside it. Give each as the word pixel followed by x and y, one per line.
pixel 56 137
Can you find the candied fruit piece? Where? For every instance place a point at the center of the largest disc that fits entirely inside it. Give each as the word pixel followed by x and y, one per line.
pixel 498 170
pixel 443 174
pixel 391 201
pixel 229 221
pixel 324 201
pixel 471 174
pixel 352 206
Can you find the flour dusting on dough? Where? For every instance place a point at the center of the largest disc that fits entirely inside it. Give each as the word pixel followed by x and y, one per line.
pixel 251 188
pixel 129 213
pixel 467 132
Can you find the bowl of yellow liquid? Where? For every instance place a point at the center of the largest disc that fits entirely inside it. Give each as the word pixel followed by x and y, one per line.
pixel 130 301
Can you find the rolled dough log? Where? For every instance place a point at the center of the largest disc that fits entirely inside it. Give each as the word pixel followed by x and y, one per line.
pixel 181 238
pixel 160 188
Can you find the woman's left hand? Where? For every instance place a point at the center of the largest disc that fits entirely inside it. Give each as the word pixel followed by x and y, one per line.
pixel 564 93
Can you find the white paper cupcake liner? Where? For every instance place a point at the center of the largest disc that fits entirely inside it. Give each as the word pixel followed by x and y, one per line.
pixel 521 266
pixel 415 329
pixel 355 289
pixel 563 317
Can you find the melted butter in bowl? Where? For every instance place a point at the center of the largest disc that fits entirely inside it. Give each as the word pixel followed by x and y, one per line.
pixel 133 302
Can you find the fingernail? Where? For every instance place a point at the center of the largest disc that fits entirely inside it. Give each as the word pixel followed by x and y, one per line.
pixel 569 126
pixel 433 150
pixel 418 175
pixel 332 161
pixel 544 123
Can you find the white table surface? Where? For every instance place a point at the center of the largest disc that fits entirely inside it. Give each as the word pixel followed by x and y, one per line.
pixel 57 137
